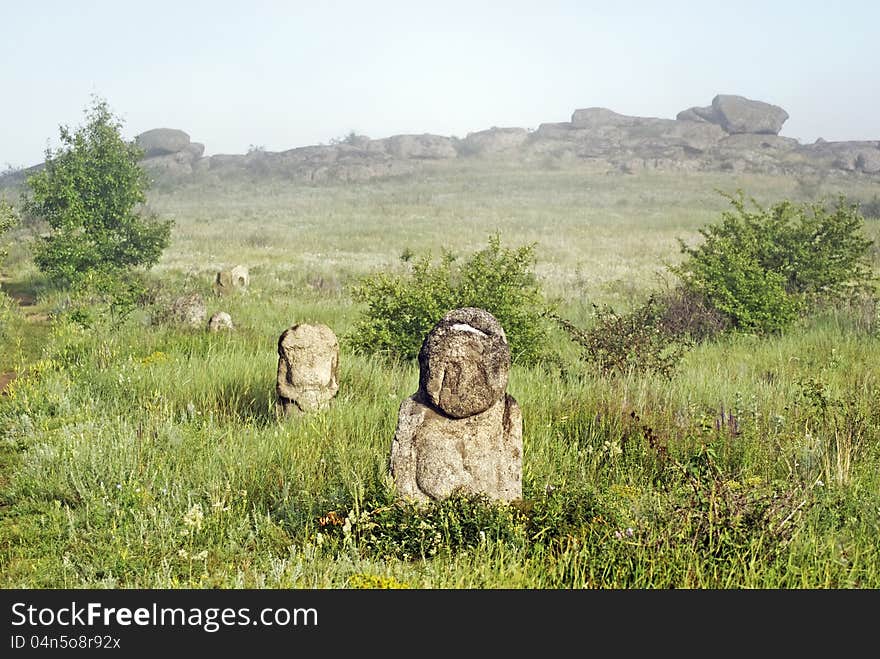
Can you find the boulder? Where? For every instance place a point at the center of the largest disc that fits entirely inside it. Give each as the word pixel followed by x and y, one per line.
pixel 173 166
pixel 189 310
pixel 162 141
pixel 868 161
pixel 700 114
pixel 689 115
pixel 850 156
pixel 220 321
pixel 737 114
pixel 308 362
pixel 460 431
pixel 855 157
pixel 195 149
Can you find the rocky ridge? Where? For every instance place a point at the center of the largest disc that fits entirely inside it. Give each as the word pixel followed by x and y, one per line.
pixel 733 133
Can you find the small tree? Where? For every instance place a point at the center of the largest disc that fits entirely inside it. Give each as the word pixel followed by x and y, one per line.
pixel 91 193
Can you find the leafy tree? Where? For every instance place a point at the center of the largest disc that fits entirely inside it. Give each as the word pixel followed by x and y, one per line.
pixel 402 309
pixel 91 193
pixel 8 219
pixel 762 267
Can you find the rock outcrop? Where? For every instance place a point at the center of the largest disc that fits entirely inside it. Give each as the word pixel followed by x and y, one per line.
pixel 494 140
pixel 732 133
pixel 460 432
pixel 162 142
pixel 857 156
pixel 422 147
pixel 738 114
pixel 593 118
pixel 625 142
pixel 169 155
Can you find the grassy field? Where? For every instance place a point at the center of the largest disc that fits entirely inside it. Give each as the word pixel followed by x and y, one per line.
pixel 148 455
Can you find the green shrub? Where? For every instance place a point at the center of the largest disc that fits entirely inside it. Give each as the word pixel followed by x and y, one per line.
pixel 562 511
pixel 764 267
pixel 402 309
pixel 735 283
pixel 8 219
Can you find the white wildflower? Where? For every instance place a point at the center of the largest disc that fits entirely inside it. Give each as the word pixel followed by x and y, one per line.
pixel 194 517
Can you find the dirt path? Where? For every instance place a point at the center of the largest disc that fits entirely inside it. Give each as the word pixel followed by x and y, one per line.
pixel 5 379
pixel 27 303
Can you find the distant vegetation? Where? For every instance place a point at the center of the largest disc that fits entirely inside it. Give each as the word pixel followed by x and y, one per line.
pixel 871 208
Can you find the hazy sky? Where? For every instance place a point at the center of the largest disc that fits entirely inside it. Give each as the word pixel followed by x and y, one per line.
pixel 286 74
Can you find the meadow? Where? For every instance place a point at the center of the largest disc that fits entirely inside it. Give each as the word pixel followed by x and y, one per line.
pixel 149 455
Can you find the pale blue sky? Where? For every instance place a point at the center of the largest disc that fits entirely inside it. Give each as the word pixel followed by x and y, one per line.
pixel 288 74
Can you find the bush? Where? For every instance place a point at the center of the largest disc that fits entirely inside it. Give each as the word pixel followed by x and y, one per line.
pixel 635 342
pixel 402 309
pixel 735 283
pixel 720 517
pixel 763 268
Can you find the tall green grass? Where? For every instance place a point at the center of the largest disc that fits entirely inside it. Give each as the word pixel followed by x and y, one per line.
pixel 149 455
